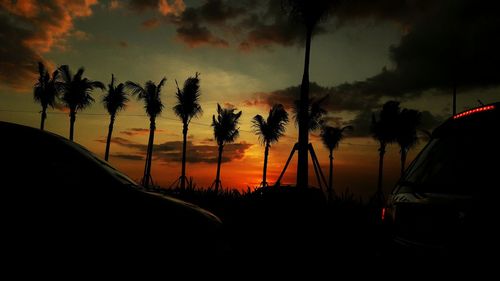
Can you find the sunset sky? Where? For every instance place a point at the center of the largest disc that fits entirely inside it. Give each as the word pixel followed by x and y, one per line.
pixel 250 55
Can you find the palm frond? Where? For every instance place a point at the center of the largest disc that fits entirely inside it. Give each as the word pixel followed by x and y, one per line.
pixel 315 112
pixel 76 90
pixel 150 94
pixel 408 123
pixel 385 128
pixel 332 136
pixel 270 130
pixel 66 74
pixel 225 125
pixel 116 98
pixel 160 85
pixel 188 106
pixel 135 89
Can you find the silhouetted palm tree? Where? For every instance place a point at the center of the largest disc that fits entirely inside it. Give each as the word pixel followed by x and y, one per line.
pixel 45 91
pixel 385 130
pixel 315 113
pixel 76 93
pixel 331 137
pixel 409 121
pixel 270 130
pixel 309 13
pixel 114 101
pixel 187 107
pixel 226 131
pixel 150 95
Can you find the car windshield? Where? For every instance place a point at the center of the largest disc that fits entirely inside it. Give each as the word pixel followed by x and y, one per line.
pixel 462 159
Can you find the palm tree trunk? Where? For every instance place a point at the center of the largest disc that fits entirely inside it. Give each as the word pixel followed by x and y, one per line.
pixel 108 140
pixel 264 172
pixel 145 176
pixel 403 161
pixel 72 119
pixel 44 116
pixel 302 167
pixel 330 178
pixel 184 143
pixel 149 155
pixel 217 176
pixel 380 167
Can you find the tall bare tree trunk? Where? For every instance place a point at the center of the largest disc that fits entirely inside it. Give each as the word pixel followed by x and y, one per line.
pixel 44 116
pixel 108 140
pixel 302 167
pixel 330 178
pixel 184 142
pixel 72 119
pixel 149 155
pixel 217 176
pixel 264 172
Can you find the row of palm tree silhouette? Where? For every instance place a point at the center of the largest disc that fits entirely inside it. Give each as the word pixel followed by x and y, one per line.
pixel 393 125
pixel 75 94
pixel 74 91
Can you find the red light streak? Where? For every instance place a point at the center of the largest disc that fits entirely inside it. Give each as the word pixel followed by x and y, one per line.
pixel 472 111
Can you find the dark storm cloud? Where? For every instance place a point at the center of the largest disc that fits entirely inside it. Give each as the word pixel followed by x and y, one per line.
pixel 192 31
pixel 195 35
pixel 218 11
pixel 458 43
pixel 141 5
pixel 272 27
pixel 280 32
pixel 171 151
pixel 403 12
pixel 165 7
pixel 17 61
pixel 363 120
pixel 28 30
pixel 359 102
pixel 263 23
pixel 337 98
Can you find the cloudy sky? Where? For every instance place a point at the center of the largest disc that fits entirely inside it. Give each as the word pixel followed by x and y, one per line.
pixel 250 55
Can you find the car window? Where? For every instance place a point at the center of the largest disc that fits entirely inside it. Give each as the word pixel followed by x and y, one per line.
pixel 460 161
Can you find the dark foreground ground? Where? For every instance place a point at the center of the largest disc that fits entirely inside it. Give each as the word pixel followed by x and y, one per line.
pixel 288 227
pixel 283 232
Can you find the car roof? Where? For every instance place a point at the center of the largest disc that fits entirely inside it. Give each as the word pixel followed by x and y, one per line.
pixel 481 117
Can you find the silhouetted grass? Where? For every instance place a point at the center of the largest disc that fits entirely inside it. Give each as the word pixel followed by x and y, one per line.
pixel 287 223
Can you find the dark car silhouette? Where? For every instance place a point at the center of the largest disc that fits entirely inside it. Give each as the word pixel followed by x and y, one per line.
pixel 447 201
pixel 59 198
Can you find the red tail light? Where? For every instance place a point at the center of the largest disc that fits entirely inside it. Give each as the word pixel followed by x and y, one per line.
pixel 475 110
pixel 383 213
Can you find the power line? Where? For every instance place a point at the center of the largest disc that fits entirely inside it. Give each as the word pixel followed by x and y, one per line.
pixel 161 117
